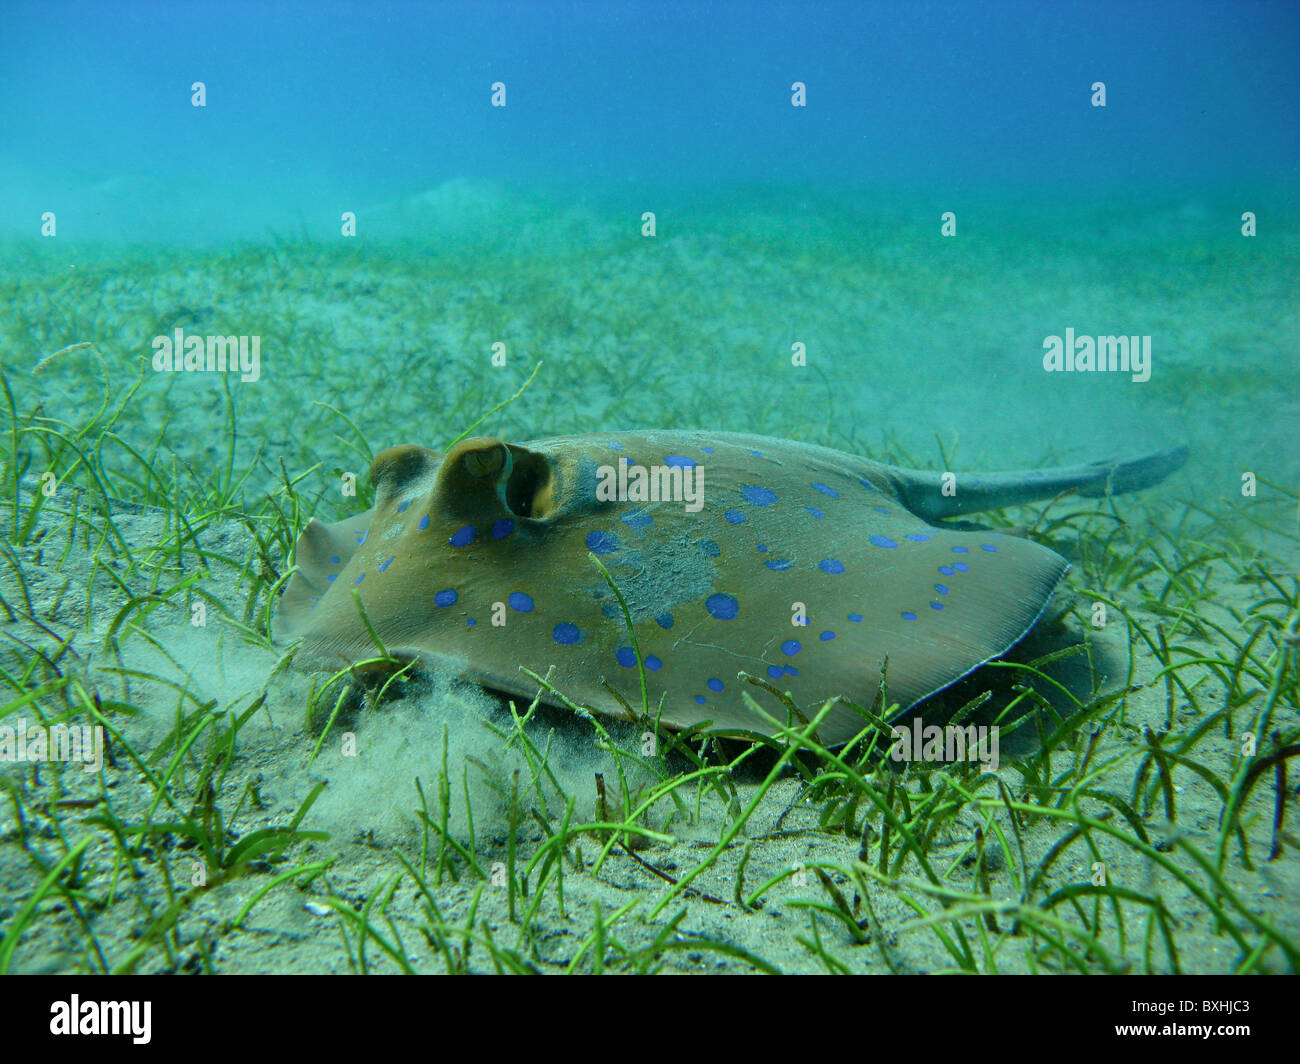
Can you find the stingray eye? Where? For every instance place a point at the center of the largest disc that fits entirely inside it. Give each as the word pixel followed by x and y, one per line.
pixel 486 462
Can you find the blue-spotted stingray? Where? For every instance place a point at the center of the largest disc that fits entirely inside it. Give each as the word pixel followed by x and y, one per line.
pixel 799 564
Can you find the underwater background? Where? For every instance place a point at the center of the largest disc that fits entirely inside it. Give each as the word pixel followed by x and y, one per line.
pixel 847 224
pixel 775 224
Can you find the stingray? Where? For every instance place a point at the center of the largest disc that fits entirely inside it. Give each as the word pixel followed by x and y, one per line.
pixel 733 554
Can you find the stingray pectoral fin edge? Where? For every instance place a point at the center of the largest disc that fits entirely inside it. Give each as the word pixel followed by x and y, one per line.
pixel 321 549
pixel 1033 623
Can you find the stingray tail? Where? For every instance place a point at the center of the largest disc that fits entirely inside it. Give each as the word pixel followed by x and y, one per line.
pixel 926 495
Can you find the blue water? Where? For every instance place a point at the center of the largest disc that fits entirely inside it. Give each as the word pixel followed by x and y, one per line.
pixel 310 105
pixel 816 225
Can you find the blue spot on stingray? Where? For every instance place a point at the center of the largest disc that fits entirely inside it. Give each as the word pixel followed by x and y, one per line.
pixel 566 634
pixel 402 507
pixel 941 589
pixel 599 542
pixel 707 450
pixel 709 548
pixel 779 565
pixel 470 622
pixel 616 446
pixel 700 698
pixel 826 490
pixel 637 519
pixel 907 615
pixel 463 537
pixel 790 670
pixel 680 460
pixel 520 602
pixel 653 663
pixel 814 511
pixel 881 509
pixel 961 550
pixel 503 527
pixel 715 685
pixel 856 618
pixel 762 548
pixel 988 547
pixel 961 567
pixel 359 578
pixel 424 523
pixel 757 454
pixel 445 598
pixel 721 606
pixel 385 564
pixel 758 495
pixel 664 620
pixel 878 540
pixel 866 484
pixel 334 561
pixel 826 637
pixel 332 576
pixel 917 537
pixel 791 647
pixel 936 605
pixel 947 570
pixel 776 671
pixel 831 565
pixel 362 537
pixel 734 517
pixel 626 657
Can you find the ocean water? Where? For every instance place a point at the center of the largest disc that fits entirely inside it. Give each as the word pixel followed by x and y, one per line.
pixel 800 163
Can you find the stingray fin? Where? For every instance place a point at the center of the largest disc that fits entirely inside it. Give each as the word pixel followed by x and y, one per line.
pixel 321 551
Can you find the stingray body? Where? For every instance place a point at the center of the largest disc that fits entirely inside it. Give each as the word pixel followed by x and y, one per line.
pixel 734 553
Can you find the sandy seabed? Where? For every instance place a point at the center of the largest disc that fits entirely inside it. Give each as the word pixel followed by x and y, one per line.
pixel 920 350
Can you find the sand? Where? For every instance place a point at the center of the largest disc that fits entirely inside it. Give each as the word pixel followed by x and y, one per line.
pixel 920 350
